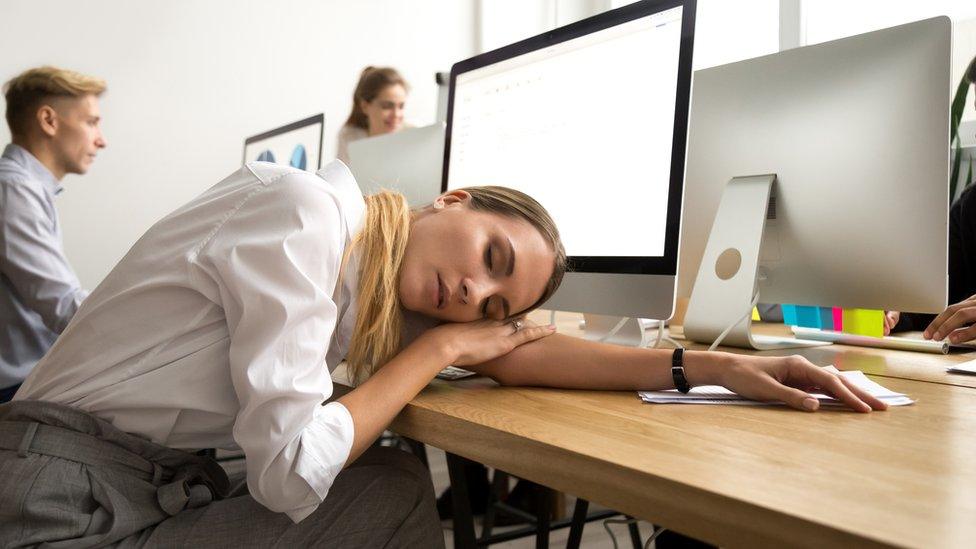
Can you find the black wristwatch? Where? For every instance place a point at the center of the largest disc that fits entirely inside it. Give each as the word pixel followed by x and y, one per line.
pixel 678 371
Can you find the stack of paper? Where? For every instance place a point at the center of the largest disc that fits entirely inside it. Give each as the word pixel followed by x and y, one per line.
pixel 713 394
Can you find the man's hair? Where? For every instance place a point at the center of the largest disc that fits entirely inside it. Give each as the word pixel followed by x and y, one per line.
pixel 26 92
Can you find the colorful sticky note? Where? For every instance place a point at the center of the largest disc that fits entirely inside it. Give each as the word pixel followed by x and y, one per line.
pixel 789 314
pixel 838 314
pixel 755 314
pixel 826 318
pixel 869 322
pixel 808 316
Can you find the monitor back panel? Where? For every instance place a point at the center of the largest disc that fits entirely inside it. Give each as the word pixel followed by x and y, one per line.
pixel 856 131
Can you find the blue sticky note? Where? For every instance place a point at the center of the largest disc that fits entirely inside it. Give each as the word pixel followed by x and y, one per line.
pixel 826 318
pixel 808 316
pixel 789 315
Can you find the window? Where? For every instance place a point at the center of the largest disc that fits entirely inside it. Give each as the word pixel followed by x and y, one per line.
pixel 725 31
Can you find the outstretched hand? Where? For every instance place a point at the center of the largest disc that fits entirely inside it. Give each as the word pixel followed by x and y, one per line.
pixel 791 380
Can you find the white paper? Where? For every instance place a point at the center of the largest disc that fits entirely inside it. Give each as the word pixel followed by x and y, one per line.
pixel 713 394
pixel 963 368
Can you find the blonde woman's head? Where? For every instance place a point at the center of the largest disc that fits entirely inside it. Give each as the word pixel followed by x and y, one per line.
pixel 479 252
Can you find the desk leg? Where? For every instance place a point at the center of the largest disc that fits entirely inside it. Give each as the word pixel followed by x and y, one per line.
pixel 635 536
pixel 463 519
pixel 418 449
pixel 542 517
pixel 579 521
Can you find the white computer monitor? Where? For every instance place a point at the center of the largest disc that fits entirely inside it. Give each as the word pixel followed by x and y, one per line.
pixel 590 119
pixel 856 132
pixel 408 161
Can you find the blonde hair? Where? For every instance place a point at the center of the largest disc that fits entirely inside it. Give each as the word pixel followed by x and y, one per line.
pixel 372 81
pixel 27 91
pixel 381 245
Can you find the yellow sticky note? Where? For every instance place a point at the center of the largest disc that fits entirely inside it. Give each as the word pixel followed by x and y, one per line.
pixel 868 322
pixel 755 314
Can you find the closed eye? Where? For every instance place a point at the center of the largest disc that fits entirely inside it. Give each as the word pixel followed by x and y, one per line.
pixel 488 263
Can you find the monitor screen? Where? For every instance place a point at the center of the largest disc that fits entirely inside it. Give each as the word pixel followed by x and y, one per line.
pixel 298 144
pixel 586 127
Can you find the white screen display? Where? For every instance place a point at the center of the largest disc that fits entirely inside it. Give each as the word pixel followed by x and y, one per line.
pixel 584 127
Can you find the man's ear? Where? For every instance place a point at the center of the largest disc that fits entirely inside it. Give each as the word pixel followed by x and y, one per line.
pixel 47 120
pixel 449 198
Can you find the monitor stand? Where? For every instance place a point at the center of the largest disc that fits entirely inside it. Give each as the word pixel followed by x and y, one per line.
pixel 727 278
pixel 614 329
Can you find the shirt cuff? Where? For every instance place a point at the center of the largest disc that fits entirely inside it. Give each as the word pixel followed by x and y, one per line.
pixel 326 443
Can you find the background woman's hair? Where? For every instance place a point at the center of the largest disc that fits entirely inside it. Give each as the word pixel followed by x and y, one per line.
pixel 372 81
pixel 26 92
pixel 381 245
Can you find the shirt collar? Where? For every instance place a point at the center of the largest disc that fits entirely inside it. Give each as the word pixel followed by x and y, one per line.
pixel 353 204
pixel 23 158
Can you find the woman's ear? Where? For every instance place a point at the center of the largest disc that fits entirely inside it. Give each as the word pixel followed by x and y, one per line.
pixel 450 198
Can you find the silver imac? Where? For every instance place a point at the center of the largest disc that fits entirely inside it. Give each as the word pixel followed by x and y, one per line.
pixel 591 120
pixel 408 161
pixel 819 176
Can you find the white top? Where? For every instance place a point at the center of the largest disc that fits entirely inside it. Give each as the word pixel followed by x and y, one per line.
pixel 347 135
pixel 220 328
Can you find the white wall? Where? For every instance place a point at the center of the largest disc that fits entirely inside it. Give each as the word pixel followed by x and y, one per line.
pixel 188 80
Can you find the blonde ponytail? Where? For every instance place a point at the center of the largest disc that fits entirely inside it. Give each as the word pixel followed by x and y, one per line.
pixel 380 245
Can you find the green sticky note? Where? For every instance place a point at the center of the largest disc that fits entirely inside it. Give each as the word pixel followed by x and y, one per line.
pixel 868 322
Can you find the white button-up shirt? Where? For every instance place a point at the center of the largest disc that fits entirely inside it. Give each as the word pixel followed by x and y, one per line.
pixel 220 328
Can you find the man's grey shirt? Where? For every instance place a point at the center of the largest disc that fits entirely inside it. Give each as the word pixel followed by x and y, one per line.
pixel 39 292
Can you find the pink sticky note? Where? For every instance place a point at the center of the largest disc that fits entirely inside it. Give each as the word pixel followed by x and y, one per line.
pixel 838 319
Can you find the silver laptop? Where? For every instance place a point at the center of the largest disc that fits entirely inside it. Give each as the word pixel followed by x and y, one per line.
pixel 408 161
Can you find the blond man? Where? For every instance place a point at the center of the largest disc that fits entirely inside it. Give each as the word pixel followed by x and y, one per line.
pixel 54 125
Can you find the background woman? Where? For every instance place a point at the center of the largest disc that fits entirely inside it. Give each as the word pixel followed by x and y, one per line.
pixel 377 107
pixel 220 327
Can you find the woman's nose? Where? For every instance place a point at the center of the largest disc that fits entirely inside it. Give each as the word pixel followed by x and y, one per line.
pixel 472 291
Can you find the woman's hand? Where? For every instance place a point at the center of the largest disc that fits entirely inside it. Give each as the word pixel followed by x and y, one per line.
pixel 790 379
pixel 890 321
pixel 955 322
pixel 471 343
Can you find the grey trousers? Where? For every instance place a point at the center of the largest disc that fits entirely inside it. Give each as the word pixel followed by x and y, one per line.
pixel 68 479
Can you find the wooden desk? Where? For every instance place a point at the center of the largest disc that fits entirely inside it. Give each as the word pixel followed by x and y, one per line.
pixel 734 476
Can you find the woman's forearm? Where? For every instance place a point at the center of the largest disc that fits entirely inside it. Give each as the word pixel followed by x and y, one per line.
pixel 574 363
pixel 375 403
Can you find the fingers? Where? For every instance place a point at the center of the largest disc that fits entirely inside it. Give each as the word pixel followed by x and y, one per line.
pixel 874 402
pixel 891 320
pixel 793 398
pixel 964 334
pixel 935 326
pixel 837 387
pixel 526 335
pixel 953 318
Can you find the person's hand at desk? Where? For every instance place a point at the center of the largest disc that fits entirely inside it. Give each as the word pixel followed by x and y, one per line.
pixel 891 319
pixel 956 322
pixel 791 380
